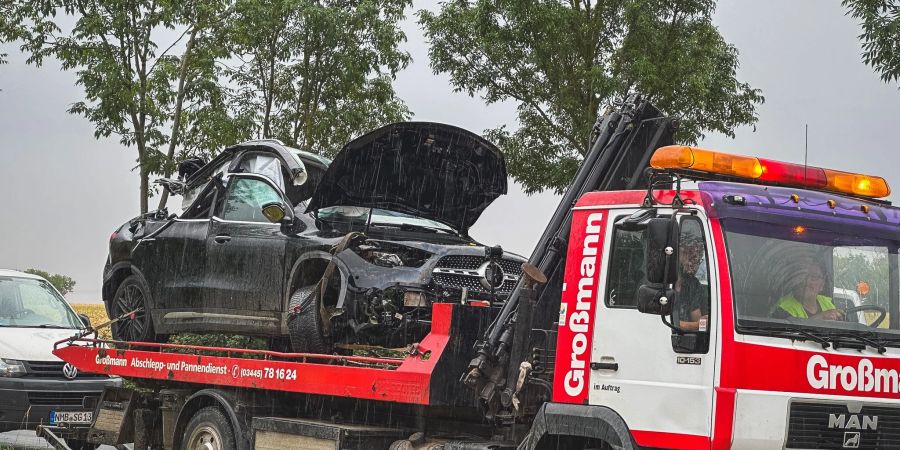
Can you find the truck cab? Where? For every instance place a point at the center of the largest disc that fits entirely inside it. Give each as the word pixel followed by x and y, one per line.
pixel 756 312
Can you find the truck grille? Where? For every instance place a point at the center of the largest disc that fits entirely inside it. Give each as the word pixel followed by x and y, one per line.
pixel 832 426
pixel 57 398
pixel 463 271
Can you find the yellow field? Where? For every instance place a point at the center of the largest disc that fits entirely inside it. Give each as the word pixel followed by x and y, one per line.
pixel 97 313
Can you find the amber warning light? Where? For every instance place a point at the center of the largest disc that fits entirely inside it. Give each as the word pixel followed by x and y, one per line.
pixel 766 171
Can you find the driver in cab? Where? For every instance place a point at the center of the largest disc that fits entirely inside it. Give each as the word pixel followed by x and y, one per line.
pixel 805 300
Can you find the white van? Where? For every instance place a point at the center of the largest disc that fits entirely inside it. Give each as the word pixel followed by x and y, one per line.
pixel 36 387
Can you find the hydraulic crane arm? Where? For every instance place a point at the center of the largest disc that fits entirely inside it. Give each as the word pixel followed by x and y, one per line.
pixel 622 143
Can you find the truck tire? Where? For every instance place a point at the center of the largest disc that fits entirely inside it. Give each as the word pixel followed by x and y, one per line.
pixel 209 429
pixel 76 444
pixel 132 295
pixel 304 325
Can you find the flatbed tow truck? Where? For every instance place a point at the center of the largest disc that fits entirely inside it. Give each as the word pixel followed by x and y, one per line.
pixel 604 343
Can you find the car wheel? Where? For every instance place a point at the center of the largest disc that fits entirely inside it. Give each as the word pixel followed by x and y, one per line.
pixel 209 429
pixel 132 295
pixel 304 325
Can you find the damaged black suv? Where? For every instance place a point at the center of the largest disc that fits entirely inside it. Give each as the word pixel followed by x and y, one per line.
pixel 278 242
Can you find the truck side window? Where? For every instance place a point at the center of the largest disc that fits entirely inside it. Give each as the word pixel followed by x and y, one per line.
pixel 692 287
pixel 626 268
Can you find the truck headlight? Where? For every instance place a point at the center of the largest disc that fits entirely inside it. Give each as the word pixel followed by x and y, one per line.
pixel 11 368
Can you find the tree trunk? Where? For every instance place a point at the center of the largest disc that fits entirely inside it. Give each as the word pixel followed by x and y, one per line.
pixel 145 188
pixel 176 121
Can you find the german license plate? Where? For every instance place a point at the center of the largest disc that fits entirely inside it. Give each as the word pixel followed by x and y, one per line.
pixel 60 417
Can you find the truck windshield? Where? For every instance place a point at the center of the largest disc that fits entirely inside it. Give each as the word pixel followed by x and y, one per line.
pixel 32 303
pixel 796 280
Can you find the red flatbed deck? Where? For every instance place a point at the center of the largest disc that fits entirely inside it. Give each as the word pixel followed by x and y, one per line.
pixel 401 380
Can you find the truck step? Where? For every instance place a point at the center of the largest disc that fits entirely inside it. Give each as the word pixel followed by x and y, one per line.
pixel 277 433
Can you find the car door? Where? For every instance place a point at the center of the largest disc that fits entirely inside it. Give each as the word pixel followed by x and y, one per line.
pixel 173 260
pixel 245 252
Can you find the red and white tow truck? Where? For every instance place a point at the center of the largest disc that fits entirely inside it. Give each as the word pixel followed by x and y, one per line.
pixel 669 317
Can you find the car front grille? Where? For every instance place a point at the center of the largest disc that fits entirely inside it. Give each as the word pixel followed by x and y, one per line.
pixel 832 426
pixel 462 271
pixel 58 398
pixel 53 369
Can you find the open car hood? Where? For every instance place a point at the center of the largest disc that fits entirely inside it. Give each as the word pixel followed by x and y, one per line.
pixel 430 170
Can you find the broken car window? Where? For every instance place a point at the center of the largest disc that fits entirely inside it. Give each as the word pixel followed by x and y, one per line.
pixel 245 199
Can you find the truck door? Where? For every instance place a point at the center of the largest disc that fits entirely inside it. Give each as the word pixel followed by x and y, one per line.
pixel 661 384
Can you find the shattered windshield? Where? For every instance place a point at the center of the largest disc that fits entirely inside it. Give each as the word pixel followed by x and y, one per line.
pixel 380 218
pixel 31 303
pixel 796 277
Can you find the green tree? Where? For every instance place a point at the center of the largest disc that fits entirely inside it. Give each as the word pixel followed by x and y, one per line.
pixel 561 61
pixel 880 21
pixel 62 283
pixel 315 73
pixel 10 28
pixel 131 88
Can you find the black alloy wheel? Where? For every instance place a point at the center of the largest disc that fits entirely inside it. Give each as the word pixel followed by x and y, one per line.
pixel 131 297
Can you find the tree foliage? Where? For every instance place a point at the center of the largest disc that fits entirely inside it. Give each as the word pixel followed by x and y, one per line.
pixel 315 73
pixel 10 26
pixel 561 61
pixel 123 55
pixel 62 283
pixel 178 79
pixel 880 21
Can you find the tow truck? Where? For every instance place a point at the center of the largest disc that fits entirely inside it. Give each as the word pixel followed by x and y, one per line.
pixel 651 314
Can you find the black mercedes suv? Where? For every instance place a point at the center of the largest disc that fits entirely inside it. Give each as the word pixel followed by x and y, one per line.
pixel 277 242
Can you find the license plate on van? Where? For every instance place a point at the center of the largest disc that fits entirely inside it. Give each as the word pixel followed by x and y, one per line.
pixel 60 417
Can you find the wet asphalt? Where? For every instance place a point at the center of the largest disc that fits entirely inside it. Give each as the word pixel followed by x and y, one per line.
pixel 22 440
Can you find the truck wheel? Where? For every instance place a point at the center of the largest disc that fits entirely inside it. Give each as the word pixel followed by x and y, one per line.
pixel 209 429
pixel 76 444
pixel 304 326
pixel 132 295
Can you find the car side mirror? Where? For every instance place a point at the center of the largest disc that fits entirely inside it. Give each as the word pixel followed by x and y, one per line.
pixel 85 320
pixel 275 212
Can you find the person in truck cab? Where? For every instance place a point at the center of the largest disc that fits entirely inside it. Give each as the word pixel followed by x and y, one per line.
pixel 805 300
pixel 693 296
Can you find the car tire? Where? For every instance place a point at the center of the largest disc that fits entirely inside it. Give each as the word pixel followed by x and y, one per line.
pixel 209 429
pixel 132 295
pixel 76 444
pixel 304 325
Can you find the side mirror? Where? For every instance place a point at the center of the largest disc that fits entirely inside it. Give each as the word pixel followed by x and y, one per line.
pixel 275 212
pixel 655 296
pixel 85 320
pixel 655 299
pixel 662 250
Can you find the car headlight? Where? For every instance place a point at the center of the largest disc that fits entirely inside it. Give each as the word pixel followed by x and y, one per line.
pixel 11 368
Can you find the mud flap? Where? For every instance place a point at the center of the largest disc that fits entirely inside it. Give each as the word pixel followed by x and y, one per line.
pixel 587 421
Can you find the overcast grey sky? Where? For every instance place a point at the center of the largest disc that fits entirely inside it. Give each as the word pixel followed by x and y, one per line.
pixel 64 192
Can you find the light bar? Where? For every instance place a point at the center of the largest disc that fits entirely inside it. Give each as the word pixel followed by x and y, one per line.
pixel 674 157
